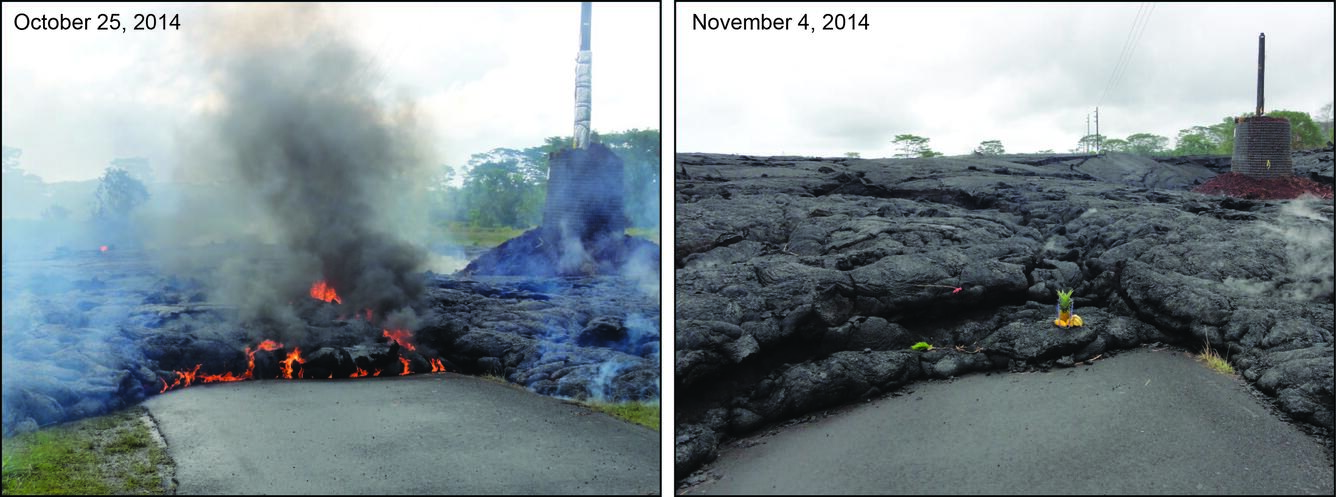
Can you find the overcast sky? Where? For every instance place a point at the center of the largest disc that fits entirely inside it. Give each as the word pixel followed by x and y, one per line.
pixel 489 76
pixel 958 74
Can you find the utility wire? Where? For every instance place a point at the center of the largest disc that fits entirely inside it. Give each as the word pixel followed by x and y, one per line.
pixel 1118 62
pixel 1135 42
pixel 1129 48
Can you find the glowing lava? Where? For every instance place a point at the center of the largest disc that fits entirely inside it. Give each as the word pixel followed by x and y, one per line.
pixel 322 291
pixel 295 355
pixel 400 336
pixel 267 346
pixel 189 377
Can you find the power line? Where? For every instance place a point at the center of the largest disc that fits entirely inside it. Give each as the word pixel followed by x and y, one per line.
pixel 1130 45
pixel 1135 42
pixel 1118 63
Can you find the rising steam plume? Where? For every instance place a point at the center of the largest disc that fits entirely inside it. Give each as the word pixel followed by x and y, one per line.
pixel 299 126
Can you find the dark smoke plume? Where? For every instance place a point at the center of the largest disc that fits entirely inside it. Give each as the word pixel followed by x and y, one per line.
pixel 323 157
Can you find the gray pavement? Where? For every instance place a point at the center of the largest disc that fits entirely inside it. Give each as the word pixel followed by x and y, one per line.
pixel 420 434
pixel 1140 423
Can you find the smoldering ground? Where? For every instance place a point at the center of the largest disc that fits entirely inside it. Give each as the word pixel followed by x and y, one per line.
pixel 313 159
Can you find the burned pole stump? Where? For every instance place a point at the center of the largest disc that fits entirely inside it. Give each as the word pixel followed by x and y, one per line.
pixel 1261 143
pixel 1262 148
pixel 585 195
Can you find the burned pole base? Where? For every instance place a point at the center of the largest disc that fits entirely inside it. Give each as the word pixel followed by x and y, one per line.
pixel 584 194
pixel 584 224
pixel 1262 148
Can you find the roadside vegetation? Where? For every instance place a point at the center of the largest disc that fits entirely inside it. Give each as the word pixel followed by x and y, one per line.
pixel 105 455
pixel 478 236
pixel 1214 361
pixel 639 412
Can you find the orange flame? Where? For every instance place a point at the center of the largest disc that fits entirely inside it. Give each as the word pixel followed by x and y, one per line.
pixel 360 373
pixel 377 373
pixel 183 379
pixel 406 370
pixel 295 355
pixel 228 376
pixel 322 291
pixel 400 336
pixel 267 346
pixel 437 366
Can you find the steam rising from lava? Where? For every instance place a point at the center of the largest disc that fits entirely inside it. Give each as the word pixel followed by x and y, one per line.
pixel 299 124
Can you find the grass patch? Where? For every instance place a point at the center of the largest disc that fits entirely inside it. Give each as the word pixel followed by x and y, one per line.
pixel 639 412
pixel 1214 361
pixel 651 234
pixel 474 236
pixel 111 454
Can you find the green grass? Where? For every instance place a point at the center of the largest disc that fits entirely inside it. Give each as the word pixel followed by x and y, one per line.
pixel 922 346
pixel 112 454
pixel 466 235
pixel 642 413
pixel 1214 361
pixel 646 233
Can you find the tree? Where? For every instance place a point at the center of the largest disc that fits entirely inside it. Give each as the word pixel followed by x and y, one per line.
pixel 1090 143
pixel 138 168
pixel 1223 132
pixel 990 147
pixel 1304 133
pixel 852 155
pixel 507 187
pixel 1197 140
pixel 1114 145
pixel 1147 144
pixel 639 151
pixel 913 146
pixel 504 188
pixel 117 195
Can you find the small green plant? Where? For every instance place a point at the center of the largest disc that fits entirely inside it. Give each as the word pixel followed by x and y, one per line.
pixel 922 346
pixel 1214 361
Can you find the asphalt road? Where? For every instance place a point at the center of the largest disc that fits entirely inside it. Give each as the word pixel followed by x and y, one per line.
pixel 419 434
pixel 1140 423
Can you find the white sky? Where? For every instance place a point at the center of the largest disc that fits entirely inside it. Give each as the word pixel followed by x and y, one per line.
pixel 489 76
pixel 959 74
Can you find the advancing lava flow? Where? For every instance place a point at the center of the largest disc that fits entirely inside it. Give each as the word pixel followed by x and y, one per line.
pixel 288 370
pixel 322 291
pixel 295 355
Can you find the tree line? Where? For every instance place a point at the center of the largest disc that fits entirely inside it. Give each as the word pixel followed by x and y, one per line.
pixel 1215 139
pixel 506 187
